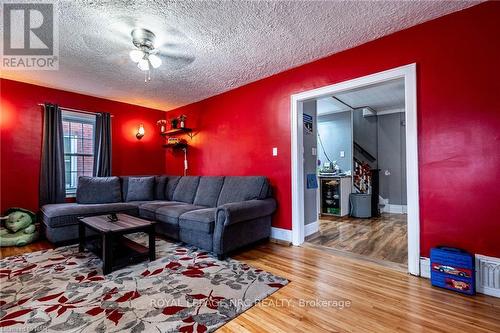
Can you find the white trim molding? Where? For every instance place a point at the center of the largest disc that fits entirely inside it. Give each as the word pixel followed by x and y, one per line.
pixel 383 112
pixel 395 209
pixel 281 234
pixel 311 228
pixel 297 173
pixel 408 73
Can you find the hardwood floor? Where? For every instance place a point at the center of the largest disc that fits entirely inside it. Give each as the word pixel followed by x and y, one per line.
pixel 382 299
pixel 380 238
pixel 375 298
pixel 15 250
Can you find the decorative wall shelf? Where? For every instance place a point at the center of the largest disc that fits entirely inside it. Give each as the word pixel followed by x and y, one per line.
pixel 175 131
pixel 180 145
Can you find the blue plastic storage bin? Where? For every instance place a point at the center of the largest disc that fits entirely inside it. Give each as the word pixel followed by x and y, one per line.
pixel 453 269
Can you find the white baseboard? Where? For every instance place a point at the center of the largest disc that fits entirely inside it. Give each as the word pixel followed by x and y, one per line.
pixel 286 235
pixel 394 209
pixel 281 234
pixel 389 208
pixel 311 228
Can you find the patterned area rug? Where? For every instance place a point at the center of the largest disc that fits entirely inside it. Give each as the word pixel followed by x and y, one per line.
pixel 185 290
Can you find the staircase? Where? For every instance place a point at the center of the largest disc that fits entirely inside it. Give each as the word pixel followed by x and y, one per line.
pixel 366 175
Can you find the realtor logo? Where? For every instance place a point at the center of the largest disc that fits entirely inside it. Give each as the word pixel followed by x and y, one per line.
pixel 30 39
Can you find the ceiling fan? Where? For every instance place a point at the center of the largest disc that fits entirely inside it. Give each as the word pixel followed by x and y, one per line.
pixel 154 43
pixel 145 54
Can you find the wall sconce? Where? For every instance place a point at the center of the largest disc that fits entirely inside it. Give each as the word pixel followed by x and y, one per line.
pixel 140 132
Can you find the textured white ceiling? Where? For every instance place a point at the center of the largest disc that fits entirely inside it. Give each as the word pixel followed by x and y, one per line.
pixel 327 105
pixel 389 95
pixel 216 45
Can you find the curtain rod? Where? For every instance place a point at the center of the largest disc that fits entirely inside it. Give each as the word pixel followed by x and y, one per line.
pixel 76 110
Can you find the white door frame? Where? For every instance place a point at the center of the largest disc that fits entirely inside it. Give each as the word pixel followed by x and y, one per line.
pixel 407 72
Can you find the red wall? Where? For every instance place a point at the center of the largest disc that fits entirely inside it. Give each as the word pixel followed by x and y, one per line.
pixel 457 58
pixel 21 137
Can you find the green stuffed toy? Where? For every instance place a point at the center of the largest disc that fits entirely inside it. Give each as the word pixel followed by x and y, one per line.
pixel 19 228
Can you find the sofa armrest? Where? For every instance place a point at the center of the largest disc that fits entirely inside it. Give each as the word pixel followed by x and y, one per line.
pixel 244 210
pixel 237 212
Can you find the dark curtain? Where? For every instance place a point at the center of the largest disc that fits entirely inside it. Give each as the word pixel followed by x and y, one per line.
pixel 52 182
pixel 102 145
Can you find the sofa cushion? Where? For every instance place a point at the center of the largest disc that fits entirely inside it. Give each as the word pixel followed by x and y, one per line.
pixel 186 189
pixel 138 188
pixel 172 182
pixel 98 190
pixel 160 184
pixel 147 209
pixel 200 220
pixel 139 203
pixel 243 188
pixel 208 191
pixel 170 214
pixel 154 205
pixel 63 214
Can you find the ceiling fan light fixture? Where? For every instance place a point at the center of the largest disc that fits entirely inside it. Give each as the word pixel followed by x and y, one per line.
pixel 154 60
pixel 143 64
pixel 144 54
pixel 143 38
pixel 136 55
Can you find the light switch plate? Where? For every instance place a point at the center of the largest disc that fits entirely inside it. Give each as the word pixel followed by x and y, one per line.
pixel 275 151
pixel 342 153
pixel 313 151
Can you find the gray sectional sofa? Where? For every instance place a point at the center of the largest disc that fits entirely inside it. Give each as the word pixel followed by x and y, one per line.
pixel 215 213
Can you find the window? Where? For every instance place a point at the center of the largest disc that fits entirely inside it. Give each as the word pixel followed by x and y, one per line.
pixel 78 131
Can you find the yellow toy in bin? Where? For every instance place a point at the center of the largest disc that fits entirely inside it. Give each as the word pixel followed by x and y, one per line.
pixel 173 141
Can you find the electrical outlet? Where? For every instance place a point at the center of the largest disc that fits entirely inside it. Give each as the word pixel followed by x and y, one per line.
pixel 342 153
pixel 275 151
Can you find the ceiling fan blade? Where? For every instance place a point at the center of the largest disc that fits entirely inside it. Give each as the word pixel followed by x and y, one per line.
pixel 173 52
pixel 112 34
pixel 107 41
pixel 177 62
pixel 120 59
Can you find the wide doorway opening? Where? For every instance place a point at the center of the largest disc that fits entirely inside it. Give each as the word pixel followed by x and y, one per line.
pixel 358 181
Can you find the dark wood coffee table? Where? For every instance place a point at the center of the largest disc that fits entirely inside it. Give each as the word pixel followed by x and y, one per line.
pixel 112 247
